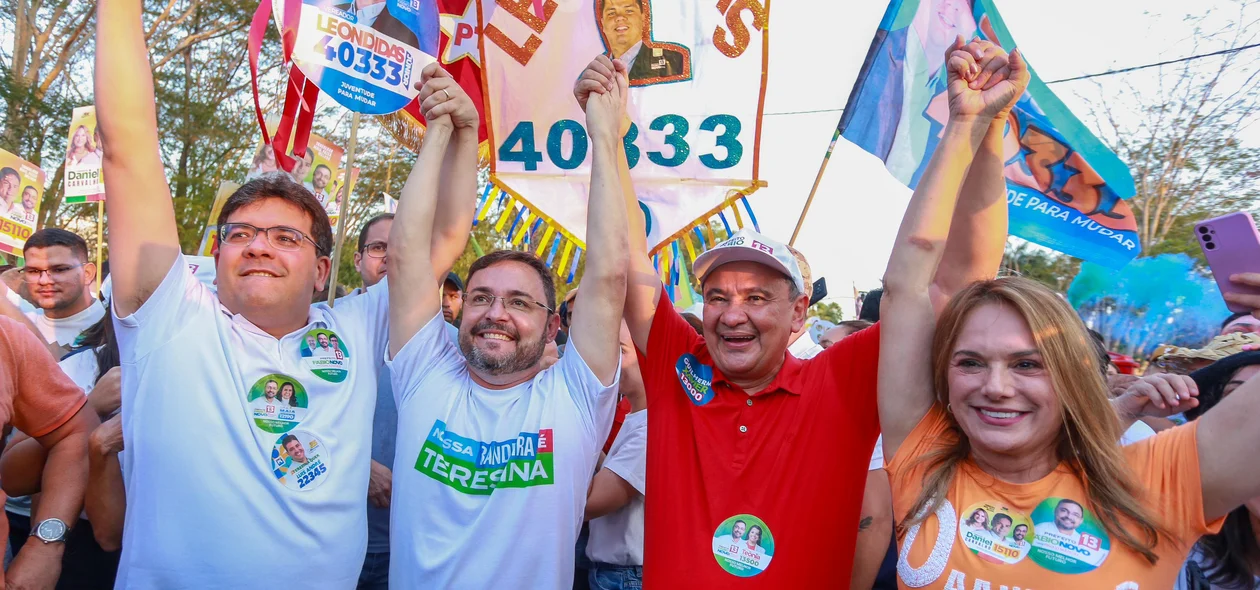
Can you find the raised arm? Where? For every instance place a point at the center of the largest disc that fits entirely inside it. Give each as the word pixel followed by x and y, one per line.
pixel 413 294
pixel 1228 436
pixel 457 189
pixel 143 241
pixel 906 310
pixel 643 288
pixel 597 320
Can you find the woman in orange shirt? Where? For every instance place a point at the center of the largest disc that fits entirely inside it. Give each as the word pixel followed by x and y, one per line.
pixel 1012 415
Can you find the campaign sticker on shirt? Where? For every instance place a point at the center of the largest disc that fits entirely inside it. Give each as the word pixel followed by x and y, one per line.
pixel 300 461
pixel 696 379
pixel 743 545
pixel 1068 539
pixel 996 533
pixel 325 355
pixel 278 403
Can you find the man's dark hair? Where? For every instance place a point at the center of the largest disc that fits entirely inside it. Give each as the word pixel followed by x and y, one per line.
pixel 599 6
pixel 324 167
pixel 368 226
pixel 1000 516
pixel 1072 502
pixel 855 325
pixel 55 236
pixel 544 273
pixel 288 438
pixel 7 171
pixel 1233 317
pixel 281 186
pixel 870 305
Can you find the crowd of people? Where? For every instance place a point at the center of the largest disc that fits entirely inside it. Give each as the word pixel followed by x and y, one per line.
pixel 431 430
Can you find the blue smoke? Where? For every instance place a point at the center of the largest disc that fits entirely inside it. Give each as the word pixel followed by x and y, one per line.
pixel 1158 300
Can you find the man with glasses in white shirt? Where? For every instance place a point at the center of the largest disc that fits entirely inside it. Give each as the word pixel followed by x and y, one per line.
pixel 59 280
pixel 199 522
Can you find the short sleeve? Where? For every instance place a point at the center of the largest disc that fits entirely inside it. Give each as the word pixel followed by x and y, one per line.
pixel 1167 468
pixel 669 338
pixel 594 400
pixel 429 357
pixel 44 398
pixel 905 472
pixel 854 361
pixel 164 314
pixel 369 312
pixel 628 455
pixel 877 458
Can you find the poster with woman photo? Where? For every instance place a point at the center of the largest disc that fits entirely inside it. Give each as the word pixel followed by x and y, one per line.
pixel 339 192
pixel 21 189
pixel 83 180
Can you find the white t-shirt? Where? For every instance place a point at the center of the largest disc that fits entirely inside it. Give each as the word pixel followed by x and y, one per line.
pixel 617 538
pixel 65 331
pixel 1138 432
pixel 211 499
pixel 490 485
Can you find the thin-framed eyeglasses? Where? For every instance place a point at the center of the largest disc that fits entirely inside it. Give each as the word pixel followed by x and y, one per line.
pixel 56 274
pixel 280 237
pixel 519 304
pixel 376 249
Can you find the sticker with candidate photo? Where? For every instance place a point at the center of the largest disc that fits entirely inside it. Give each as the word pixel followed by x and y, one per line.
pixel 1068 539
pixel 278 403
pixel 300 461
pixel 743 545
pixel 325 355
pixel 996 533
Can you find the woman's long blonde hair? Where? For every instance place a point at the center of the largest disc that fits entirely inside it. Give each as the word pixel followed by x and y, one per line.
pixel 1089 438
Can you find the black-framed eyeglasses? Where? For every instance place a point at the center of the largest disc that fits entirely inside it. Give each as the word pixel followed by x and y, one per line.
pixel 56 274
pixel 376 249
pixel 518 304
pixel 280 237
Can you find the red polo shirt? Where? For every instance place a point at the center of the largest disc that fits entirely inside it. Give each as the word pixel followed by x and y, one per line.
pixel 787 465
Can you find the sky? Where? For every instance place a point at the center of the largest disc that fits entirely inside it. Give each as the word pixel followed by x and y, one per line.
pixel 851 224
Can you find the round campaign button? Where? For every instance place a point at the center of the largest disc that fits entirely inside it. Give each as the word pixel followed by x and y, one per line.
pixel 325 355
pixel 300 461
pixel 743 545
pixel 1068 539
pixel 995 532
pixel 696 379
pixel 278 403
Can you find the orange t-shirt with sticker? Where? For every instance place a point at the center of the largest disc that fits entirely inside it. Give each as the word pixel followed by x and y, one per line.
pixel 1044 535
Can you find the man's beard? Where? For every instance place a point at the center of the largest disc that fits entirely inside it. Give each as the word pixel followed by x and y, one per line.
pixel 527 354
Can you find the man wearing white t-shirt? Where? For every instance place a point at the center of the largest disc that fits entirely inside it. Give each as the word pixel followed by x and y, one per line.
pixel 614 504
pixel 490 446
pixel 59 278
pixel 191 355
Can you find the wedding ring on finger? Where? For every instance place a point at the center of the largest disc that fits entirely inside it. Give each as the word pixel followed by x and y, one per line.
pixel 446 94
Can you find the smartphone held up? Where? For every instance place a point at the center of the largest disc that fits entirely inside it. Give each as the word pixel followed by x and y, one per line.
pixel 1231 244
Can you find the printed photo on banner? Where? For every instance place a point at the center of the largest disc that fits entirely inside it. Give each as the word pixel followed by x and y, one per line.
pixel 325 355
pixel 1068 538
pixel 209 236
pixel 84 153
pixel 300 461
pixel 996 533
pixel 696 75
pixel 626 28
pixel 1065 188
pixel 314 170
pixel 278 403
pixel 366 55
pixel 743 545
pixel 21 190
pixel 337 188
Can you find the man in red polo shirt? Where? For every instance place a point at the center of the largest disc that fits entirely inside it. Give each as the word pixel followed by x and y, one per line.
pixel 757 460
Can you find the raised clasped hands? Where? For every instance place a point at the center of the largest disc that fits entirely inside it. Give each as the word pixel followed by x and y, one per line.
pixel 444 102
pixel 984 81
pixel 601 91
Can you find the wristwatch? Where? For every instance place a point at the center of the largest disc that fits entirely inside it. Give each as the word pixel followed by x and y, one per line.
pixel 53 530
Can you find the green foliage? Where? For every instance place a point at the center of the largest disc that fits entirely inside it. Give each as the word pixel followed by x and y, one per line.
pixel 1049 268
pixel 828 310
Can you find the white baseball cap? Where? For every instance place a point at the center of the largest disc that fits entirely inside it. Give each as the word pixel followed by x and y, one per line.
pixel 748 245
